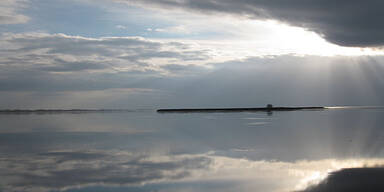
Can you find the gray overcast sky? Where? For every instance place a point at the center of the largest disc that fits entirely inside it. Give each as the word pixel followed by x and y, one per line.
pixel 150 54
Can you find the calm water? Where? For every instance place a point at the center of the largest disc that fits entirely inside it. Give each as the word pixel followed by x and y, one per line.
pixel 146 151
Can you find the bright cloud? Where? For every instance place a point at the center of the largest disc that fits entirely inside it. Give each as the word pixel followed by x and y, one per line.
pixel 235 36
pixel 346 23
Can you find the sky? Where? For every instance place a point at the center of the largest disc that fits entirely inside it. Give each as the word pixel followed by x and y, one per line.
pixel 148 54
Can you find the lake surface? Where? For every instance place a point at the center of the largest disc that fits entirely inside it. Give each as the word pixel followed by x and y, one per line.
pixel 147 151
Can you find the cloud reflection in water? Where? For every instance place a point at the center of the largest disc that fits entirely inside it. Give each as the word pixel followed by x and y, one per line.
pixel 69 170
pixel 185 152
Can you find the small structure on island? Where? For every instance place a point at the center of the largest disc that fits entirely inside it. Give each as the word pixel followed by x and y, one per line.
pixel 269 109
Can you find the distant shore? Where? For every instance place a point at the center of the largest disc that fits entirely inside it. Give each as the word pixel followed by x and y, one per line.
pixel 44 111
pixel 266 109
pixel 182 110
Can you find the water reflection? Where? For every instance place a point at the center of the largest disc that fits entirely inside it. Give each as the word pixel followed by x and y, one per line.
pixel 75 169
pixel 145 151
pixel 352 180
pixel 63 170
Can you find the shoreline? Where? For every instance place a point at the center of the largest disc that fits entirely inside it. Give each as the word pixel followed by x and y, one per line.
pixel 263 109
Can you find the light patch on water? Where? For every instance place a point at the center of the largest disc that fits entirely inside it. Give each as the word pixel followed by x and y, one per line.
pixel 257 123
pixel 355 107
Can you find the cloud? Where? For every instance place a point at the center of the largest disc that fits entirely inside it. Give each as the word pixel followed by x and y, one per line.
pixel 59 53
pixel 346 22
pixel 66 66
pixel 121 27
pixel 39 61
pixel 180 29
pixel 9 12
pixel 351 180
pixel 58 68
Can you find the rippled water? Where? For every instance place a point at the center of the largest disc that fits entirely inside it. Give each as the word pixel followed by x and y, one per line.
pixel 147 151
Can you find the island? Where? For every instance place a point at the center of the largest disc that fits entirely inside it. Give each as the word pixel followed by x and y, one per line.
pixel 268 108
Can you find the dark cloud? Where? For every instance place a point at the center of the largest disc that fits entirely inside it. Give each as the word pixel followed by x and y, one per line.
pixel 186 69
pixel 184 55
pixel 343 22
pixel 352 180
pixel 70 156
pixel 66 66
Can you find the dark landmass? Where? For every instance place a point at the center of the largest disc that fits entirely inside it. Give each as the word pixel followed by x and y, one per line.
pixel 54 111
pixel 352 180
pixel 213 110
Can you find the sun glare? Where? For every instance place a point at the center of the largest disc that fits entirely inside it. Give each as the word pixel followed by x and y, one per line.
pixel 284 39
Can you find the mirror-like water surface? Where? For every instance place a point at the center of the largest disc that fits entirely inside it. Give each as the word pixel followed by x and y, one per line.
pixel 147 151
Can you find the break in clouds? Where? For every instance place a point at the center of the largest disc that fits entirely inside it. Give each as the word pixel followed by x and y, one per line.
pixel 346 22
